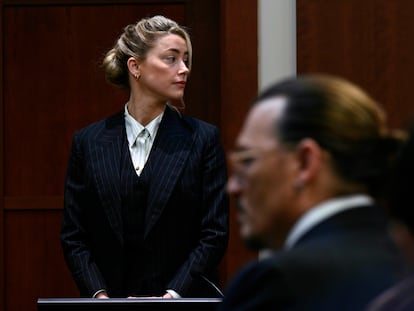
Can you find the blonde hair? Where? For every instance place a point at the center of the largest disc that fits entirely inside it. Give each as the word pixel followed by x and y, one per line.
pixel 136 40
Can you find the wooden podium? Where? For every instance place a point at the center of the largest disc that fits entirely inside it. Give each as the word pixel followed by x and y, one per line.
pixel 122 304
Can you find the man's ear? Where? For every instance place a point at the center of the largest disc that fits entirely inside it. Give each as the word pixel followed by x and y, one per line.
pixel 309 156
pixel 133 66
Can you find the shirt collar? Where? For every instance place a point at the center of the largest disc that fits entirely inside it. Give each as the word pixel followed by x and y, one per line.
pixel 322 211
pixel 133 127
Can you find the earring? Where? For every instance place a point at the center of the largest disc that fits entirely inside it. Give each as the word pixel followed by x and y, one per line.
pixel 298 185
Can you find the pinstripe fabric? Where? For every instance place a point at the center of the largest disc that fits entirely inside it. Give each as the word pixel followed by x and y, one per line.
pixel 186 220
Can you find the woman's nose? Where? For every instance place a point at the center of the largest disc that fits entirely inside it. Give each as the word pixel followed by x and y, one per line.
pixel 183 68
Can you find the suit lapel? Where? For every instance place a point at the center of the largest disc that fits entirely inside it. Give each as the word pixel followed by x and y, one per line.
pixel 167 159
pixel 106 167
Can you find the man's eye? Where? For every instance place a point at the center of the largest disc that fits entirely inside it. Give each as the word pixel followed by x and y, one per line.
pixel 246 162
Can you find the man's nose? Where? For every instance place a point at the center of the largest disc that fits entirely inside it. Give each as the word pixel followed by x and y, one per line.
pixel 233 184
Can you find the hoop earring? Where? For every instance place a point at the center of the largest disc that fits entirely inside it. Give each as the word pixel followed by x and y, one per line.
pixel 137 76
pixel 298 185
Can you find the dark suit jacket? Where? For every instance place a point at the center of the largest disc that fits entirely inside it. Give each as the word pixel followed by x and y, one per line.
pixel 341 264
pixel 400 297
pixel 186 219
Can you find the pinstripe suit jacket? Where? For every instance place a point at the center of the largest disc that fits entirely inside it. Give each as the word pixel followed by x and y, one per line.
pixel 186 218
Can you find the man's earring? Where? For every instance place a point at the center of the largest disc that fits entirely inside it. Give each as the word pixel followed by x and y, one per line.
pixel 137 76
pixel 298 185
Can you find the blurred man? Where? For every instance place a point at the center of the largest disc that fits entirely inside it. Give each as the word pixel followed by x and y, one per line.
pixel 400 296
pixel 307 170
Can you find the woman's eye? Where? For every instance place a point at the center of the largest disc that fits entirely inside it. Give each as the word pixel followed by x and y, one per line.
pixel 170 59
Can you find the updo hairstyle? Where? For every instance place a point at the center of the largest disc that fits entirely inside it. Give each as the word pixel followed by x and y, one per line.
pixel 136 40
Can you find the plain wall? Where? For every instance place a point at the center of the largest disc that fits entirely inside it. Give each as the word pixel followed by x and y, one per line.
pixel 277 40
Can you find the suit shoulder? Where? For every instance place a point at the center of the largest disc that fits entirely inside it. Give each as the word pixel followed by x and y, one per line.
pixel 260 268
pixel 97 127
pixel 91 127
pixel 258 286
pixel 199 125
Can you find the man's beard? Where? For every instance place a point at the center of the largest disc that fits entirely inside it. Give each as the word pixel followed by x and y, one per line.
pixel 254 243
pixel 250 241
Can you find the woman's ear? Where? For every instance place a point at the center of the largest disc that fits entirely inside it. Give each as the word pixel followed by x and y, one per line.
pixel 309 156
pixel 134 67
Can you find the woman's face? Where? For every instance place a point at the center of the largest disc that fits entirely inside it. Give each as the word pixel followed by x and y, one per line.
pixel 164 72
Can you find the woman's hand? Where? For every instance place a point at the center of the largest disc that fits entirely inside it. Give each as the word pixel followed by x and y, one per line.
pixel 102 295
pixel 167 296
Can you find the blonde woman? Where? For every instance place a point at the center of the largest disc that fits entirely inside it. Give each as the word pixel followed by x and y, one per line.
pixel 145 211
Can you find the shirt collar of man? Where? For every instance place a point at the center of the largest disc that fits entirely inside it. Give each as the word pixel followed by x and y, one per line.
pixel 133 127
pixel 322 211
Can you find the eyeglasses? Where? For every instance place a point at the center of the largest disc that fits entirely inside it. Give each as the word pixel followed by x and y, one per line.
pixel 242 160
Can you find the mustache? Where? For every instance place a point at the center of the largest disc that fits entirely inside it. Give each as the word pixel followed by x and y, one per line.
pixel 240 207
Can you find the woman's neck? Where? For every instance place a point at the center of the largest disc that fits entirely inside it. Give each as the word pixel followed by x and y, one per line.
pixel 144 111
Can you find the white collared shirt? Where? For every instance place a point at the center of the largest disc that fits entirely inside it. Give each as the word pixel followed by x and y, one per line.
pixel 133 128
pixel 322 211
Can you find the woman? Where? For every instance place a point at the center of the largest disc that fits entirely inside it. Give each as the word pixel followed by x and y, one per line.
pixel 145 210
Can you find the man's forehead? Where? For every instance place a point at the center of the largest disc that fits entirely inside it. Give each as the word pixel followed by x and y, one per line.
pixel 258 128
